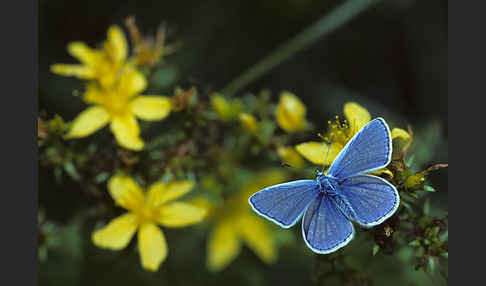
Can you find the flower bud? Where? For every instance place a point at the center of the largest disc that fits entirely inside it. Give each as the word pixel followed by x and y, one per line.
pixel 290 112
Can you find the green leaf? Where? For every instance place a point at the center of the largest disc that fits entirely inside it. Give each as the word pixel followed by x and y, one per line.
pixel 429 189
pixel 406 205
pixel 414 243
pixel 435 230
pixel 427 207
pixel 101 177
pixel 376 248
pixel 410 160
pixel 420 251
pixel 431 265
pixel 71 171
pixel 443 237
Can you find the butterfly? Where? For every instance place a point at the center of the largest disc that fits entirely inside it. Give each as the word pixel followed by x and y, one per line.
pixel 331 202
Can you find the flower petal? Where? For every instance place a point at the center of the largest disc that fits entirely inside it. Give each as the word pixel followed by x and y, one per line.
pixel 383 171
pixel 400 133
pixel 180 214
pixel 221 106
pixel 223 246
pixel 127 132
pixel 88 121
pixel 126 193
pixel 290 156
pixel 79 71
pixel 117 234
pixel 203 203
pixel 249 122
pixel 131 82
pixel 94 94
pixel 84 54
pixel 290 112
pixel 116 46
pixel 256 236
pixel 160 193
pixel 151 107
pixel 356 115
pixel 152 246
pixel 316 152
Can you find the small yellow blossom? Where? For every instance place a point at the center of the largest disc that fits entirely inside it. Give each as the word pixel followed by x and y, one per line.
pixel 400 133
pixel 145 212
pixel 290 156
pixel 103 65
pixel 235 224
pixel 248 122
pixel 290 112
pixel 415 181
pixel 356 117
pixel 120 106
pixel 220 105
pixel 226 109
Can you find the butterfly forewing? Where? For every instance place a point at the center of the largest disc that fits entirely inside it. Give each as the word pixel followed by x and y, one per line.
pixel 370 149
pixel 371 198
pixel 324 227
pixel 285 203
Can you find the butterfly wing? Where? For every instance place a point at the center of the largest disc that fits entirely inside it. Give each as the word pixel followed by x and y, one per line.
pixel 284 203
pixel 372 199
pixel 369 150
pixel 324 228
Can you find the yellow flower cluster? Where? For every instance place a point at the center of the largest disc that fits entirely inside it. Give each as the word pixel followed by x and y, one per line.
pixel 113 89
pixel 315 152
pixel 145 212
pixel 234 224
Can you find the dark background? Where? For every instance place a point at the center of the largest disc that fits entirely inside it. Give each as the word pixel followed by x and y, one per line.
pixel 392 59
pixel 394 54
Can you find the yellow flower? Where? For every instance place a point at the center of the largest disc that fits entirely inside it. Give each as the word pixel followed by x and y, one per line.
pixel 248 122
pixel 145 212
pixel 356 117
pixel 120 106
pixel 290 112
pixel 103 65
pixel 290 156
pixel 235 224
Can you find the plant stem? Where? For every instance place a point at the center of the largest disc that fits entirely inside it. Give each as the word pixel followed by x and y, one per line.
pixel 336 18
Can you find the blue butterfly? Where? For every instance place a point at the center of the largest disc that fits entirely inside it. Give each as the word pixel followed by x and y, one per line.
pixel 329 203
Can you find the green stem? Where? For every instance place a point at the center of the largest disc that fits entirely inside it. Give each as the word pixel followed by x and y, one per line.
pixel 336 18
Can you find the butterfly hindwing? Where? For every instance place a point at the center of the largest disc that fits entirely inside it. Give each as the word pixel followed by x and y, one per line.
pixel 371 198
pixel 285 203
pixel 369 150
pixel 324 228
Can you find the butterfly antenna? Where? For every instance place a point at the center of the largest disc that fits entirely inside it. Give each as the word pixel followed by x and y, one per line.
pixel 327 155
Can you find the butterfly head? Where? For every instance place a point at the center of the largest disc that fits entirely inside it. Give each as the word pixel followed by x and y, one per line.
pixel 326 183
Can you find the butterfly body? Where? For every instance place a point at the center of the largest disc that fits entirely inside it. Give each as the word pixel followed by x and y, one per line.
pixel 327 184
pixel 329 203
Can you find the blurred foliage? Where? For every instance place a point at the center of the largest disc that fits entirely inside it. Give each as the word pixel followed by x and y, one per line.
pixel 228 145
